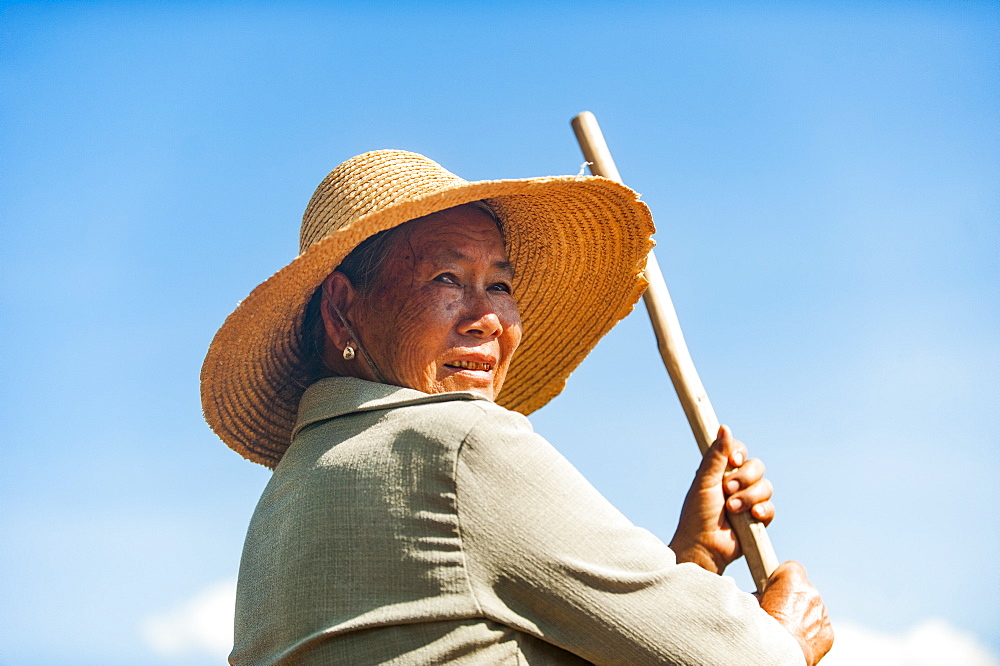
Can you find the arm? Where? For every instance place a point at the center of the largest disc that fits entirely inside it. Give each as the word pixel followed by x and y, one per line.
pixel 548 555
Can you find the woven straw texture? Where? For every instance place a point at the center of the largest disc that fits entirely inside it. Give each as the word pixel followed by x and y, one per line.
pixel 578 245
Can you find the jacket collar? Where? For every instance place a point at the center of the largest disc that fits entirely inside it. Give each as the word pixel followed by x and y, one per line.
pixel 331 397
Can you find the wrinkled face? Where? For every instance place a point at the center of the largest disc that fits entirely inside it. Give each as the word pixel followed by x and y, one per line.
pixel 441 316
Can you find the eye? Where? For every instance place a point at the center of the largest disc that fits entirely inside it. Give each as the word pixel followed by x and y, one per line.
pixel 502 287
pixel 447 278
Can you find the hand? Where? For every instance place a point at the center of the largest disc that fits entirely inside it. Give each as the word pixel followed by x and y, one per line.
pixel 793 601
pixel 725 480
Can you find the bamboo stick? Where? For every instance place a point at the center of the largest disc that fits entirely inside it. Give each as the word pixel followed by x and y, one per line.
pixel 752 535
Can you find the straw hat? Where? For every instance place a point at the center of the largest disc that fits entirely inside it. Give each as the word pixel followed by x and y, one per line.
pixel 578 245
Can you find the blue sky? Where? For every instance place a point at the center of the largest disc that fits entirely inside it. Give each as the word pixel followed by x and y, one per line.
pixel 824 177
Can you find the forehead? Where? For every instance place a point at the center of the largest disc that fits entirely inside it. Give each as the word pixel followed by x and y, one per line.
pixel 461 232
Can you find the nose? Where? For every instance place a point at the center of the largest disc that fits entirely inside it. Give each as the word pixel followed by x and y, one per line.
pixel 481 321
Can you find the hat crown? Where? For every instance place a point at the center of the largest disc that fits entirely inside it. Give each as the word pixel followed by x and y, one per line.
pixel 368 183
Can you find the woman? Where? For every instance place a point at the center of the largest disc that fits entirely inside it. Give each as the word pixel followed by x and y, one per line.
pixel 413 516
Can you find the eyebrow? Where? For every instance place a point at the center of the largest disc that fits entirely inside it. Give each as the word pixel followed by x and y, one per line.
pixel 501 265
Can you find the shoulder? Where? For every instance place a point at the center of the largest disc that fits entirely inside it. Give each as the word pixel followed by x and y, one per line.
pixel 501 453
pixel 459 420
pixel 340 408
pixel 489 443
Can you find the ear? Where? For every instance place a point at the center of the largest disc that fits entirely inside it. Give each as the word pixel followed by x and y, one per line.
pixel 338 294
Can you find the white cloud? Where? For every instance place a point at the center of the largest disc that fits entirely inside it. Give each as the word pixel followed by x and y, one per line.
pixel 933 642
pixel 202 625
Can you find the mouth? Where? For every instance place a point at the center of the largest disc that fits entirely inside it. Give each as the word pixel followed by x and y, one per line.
pixel 469 365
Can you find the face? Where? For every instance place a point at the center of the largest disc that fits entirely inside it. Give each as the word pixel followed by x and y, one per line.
pixel 442 316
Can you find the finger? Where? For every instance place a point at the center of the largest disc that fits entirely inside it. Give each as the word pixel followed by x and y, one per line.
pixel 764 512
pixel 750 473
pixel 762 491
pixel 747 498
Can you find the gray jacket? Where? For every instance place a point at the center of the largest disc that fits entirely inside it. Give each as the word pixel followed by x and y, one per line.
pixel 408 528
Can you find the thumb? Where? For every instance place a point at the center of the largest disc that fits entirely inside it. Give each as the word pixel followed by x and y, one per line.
pixel 716 458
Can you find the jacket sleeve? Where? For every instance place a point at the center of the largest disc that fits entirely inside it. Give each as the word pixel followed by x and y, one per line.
pixel 549 555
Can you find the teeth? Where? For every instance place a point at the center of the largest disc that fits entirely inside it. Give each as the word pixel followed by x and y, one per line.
pixel 470 365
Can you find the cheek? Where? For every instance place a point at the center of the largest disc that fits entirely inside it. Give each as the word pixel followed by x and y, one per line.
pixel 511 338
pixel 510 345
pixel 412 329
pixel 509 342
pixel 511 315
pixel 516 333
pixel 427 314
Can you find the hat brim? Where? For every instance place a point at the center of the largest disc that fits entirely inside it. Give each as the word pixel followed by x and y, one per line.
pixel 578 245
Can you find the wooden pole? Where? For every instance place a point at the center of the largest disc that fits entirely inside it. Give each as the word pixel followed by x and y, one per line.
pixel 752 535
